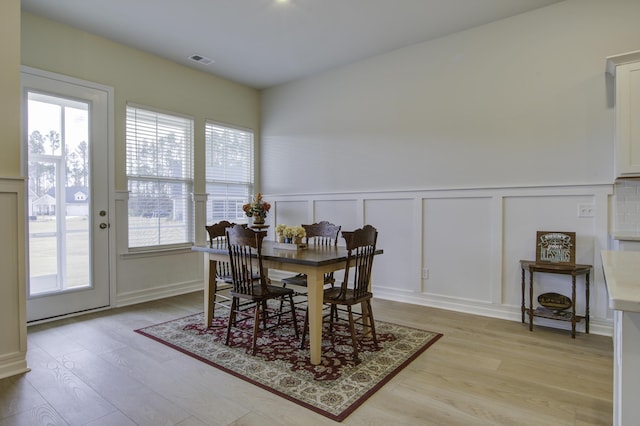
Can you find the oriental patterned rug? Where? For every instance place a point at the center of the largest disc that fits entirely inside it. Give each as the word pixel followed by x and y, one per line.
pixel 335 388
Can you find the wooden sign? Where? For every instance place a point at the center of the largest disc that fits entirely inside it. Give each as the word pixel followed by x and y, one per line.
pixel 556 247
pixel 554 301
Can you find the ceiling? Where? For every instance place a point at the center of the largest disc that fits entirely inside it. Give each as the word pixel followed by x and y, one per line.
pixel 263 43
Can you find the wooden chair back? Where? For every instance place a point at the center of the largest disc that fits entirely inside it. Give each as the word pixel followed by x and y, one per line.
pixel 361 247
pixel 245 257
pixel 322 233
pixel 217 234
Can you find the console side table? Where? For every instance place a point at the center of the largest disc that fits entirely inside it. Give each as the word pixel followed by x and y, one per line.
pixel 556 268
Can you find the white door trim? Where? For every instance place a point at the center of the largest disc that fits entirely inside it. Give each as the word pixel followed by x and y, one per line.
pixel 110 139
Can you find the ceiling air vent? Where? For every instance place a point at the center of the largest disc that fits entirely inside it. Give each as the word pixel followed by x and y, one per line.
pixel 201 59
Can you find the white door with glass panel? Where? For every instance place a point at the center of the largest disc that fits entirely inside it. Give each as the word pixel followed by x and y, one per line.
pixel 66 146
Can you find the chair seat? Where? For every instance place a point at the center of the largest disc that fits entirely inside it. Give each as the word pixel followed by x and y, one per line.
pixel 332 295
pixel 273 292
pixel 225 278
pixel 301 280
pixel 229 279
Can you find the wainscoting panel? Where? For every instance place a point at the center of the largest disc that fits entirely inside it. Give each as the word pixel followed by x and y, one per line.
pixel 394 220
pixel 13 344
pixel 459 249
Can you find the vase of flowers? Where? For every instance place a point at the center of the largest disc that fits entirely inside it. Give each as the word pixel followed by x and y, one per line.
pixel 280 232
pixel 257 209
pixel 290 234
pixel 298 234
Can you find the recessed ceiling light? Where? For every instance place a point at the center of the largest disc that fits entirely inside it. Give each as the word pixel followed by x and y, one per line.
pixel 201 59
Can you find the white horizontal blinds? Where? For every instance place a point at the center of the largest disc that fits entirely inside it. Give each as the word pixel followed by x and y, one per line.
pixel 159 149
pixel 229 172
pixel 159 145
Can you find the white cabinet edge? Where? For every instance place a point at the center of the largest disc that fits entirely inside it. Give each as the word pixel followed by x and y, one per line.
pixel 621 59
pixel 622 275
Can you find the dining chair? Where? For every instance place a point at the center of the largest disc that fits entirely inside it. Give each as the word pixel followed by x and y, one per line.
pixel 317 234
pixel 361 247
pixel 217 234
pixel 217 239
pixel 245 256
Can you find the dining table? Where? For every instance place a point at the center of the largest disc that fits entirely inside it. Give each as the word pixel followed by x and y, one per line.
pixel 314 261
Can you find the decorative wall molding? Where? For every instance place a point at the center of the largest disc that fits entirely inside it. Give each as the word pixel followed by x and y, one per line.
pixel 469 241
pixel 155 293
pixel 13 345
pixel 12 364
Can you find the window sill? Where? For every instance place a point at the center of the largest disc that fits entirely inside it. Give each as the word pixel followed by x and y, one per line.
pixel 154 252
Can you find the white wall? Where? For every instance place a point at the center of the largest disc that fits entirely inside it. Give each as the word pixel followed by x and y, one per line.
pixel 484 136
pixel 518 102
pixel 144 79
pixel 476 141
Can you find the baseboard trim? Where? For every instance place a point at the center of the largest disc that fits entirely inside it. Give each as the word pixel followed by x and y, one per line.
pixel 147 295
pixel 597 326
pixel 13 364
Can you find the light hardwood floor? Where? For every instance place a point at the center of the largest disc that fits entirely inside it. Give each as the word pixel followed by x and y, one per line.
pixel 93 370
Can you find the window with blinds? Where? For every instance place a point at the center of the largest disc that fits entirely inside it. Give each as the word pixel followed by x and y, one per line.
pixel 160 178
pixel 229 172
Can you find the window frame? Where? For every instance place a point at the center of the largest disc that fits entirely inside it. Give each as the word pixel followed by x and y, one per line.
pixel 247 184
pixel 188 180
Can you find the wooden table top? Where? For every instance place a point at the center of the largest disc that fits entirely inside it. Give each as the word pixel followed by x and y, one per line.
pixel 313 255
pixel 557 268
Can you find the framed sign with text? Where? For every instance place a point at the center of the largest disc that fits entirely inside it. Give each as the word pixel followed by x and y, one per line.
pixel 556 247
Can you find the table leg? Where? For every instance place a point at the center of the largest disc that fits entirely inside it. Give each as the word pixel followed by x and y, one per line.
pixel 315 286
pixel 586 313
pixel 522 308
pixel 530 300
pixel 364 308
pixel 366 323
pixel 210 284
pixel 573 308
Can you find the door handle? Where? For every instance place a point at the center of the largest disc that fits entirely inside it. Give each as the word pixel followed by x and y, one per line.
pixel 103 225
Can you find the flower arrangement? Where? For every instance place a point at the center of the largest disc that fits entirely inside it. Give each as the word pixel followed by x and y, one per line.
pixel 290 232
pixel 299 232
pixel 258 208
pixel 280 229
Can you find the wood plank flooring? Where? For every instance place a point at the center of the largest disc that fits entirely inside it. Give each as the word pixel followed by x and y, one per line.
pixel 93 370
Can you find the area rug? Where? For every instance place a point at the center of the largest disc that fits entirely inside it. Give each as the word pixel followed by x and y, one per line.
pixel 335 388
